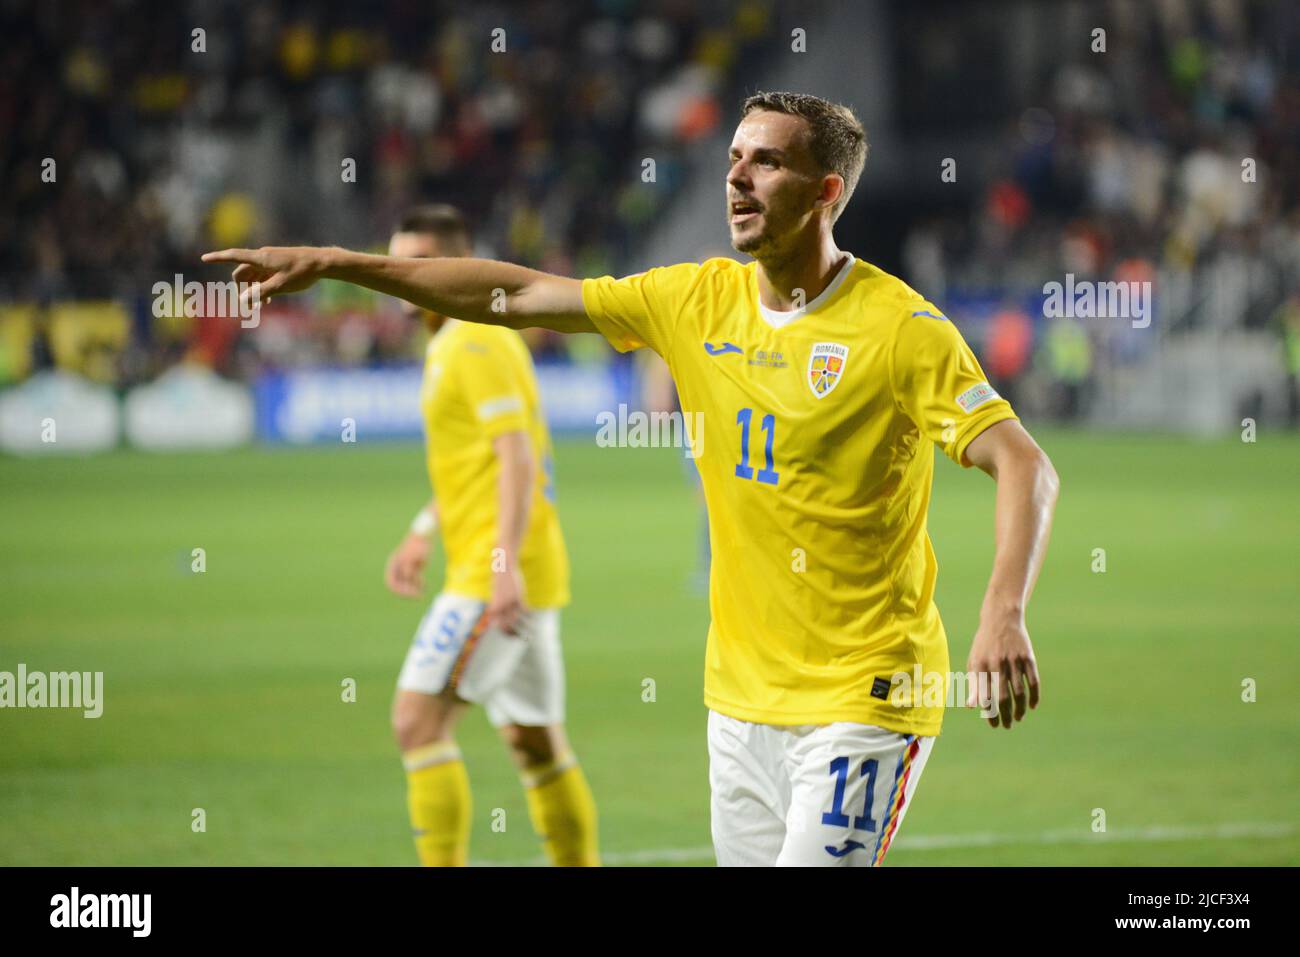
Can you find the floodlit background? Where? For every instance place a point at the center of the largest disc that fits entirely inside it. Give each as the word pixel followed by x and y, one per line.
pixel 1013 145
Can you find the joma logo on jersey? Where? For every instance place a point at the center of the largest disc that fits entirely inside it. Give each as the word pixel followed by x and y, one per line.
pixel 826 367
pixel 723 349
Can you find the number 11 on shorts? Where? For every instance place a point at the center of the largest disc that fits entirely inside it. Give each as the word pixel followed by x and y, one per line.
pixel 836 817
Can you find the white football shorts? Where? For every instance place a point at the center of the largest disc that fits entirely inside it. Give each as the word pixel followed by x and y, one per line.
pixel 519 679
pixel 830 795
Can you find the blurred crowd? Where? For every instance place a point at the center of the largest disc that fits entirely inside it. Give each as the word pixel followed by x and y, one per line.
pixel 133 136
pixel 1166 152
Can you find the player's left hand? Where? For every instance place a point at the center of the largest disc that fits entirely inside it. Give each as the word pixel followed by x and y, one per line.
pixel 404 570
pixel 1002 660
pixel 506 607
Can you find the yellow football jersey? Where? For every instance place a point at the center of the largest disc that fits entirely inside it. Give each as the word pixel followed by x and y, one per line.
pixel 478 384
pixel 816 463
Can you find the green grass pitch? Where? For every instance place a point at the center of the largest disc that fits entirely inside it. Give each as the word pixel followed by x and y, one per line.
pixel 223 689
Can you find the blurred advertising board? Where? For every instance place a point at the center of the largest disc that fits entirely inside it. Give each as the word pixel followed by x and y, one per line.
pixel 302 406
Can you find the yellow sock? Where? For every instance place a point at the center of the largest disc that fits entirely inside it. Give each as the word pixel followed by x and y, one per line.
pixel 563 811
pixel 437 794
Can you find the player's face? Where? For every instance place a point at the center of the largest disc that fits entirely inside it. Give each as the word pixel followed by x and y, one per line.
pixel 418 246
pixel 773 182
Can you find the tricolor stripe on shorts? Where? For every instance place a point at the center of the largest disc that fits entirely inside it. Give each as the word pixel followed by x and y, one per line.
pixel 467 649
pixel 897 798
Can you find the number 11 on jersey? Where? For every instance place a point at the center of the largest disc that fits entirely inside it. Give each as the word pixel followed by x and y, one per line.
pixel 768 475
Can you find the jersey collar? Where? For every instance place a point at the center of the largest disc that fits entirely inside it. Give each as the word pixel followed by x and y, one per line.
pixel 777 318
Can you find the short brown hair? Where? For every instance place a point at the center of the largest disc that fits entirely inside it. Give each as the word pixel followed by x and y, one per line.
pixel 839 143
pixel 436 219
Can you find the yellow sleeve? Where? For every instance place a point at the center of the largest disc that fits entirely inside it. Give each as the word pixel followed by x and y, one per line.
pixel 494 382
pixel 939 384
pixel 640 310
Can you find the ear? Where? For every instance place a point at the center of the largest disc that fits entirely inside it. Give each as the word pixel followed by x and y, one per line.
pixel 831 191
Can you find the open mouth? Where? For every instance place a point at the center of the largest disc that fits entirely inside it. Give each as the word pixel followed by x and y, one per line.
pixel 742 211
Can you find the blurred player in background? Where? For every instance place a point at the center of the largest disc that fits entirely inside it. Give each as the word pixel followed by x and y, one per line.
pixel 492 636
pixel 659 395
pixel 824 383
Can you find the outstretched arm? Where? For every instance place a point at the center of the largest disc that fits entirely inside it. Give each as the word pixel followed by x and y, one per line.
pixel 1027 490
pixel 477 290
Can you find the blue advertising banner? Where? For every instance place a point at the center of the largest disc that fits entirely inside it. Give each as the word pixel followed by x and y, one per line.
pixel 302 406
pixel 315 405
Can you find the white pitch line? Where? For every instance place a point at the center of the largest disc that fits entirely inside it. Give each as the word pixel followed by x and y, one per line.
pixel 937 842
pixel 940 842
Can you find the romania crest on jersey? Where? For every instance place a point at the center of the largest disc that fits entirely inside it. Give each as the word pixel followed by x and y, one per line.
pixel 826 367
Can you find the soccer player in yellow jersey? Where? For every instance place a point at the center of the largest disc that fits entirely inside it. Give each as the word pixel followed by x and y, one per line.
pixel 824 384
pixel 492 636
